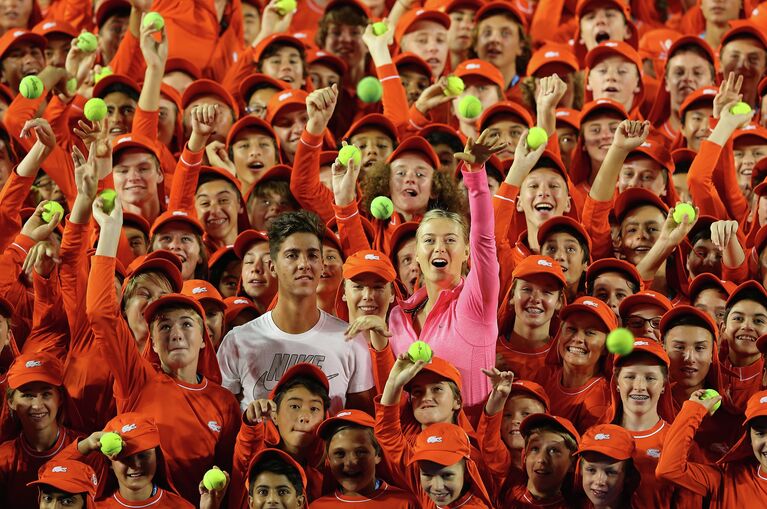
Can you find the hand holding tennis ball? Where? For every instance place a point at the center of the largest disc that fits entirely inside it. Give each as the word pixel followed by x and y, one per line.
pixel 154 19
pixel 455 86
pixel 31 87
pixel 470 107
pixel 108 200
pixel 87 42
pixel 684 209
pixel 536 137
pixel 286 6
pixel 419 351
pixel 740 108
pixel 103 73
pixel 620 341
pixel 380 28
pixel 214 479
pixel 95 109
pixel 382 208
pixel 111 443
pixel 50 210
pixel 349 152
pixel 710 394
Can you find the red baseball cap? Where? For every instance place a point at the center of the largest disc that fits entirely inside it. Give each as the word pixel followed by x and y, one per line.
pixel 613 48
pixel 318 56
pixel 246 239
pixel 35 367
pixel 442 443
pixel 334 4
pixel 295 99
pixel 453 5
pixel 411 59
pixel 162 261
pixel 369 262
pixel 477 68
pixel 536 265
pixel 744 28
pixel 708 280
pixel 614 265
pixel 136 221
pixel 281 172
pixel 532 421
pixel 301 369
pixel 635 197
pixel 281 38
pixel 208 87
pixel 610 440
pixel 655 44
pixel 749 286
pixel 133 140
pixel 442 368
pixel 19 35
pixel 170 299
pixel 109 8
pixel 682 156
pixel 282 456
pixel 593 306
pixel 644 298
pixel 531 389
pixel 602 105
pixel 183 65
pixel 45 28
pixel 69 476
pixel 248 122
pixel 373 121
pixel 552 58
pixel 236 305
pixel 138 431
pixel 756 407
pixel 752 133
pixel 176 216
pixel 656 150
pixel 350 416
pixel 648 346
pixel 104 84
pixel 570 117
pixel 506 108
pixel 687 40
pixel 249 84
pixel 703 96
pixel 687 311
pixel 415 144
pixel 202 291
pixel 584 6
pixel 414 16
pixel 563 222
pixel 499 7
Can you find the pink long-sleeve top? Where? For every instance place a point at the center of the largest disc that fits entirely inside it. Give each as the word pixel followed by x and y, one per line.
pixel 462 326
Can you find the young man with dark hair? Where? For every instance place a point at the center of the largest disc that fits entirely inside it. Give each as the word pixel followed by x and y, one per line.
pixel 254 356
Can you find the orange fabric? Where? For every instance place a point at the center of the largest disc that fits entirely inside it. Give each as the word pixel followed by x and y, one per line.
pixel 145 123
pixel 526 365
pixel 351 232
pixel 583 406
pixel 198 422
pixel 12 198
pixel 492 448
pixel 50 332
pixel 385 497
pixel 184 184
pixel 742 382
pixel 305 182
pixel 394 98
pixel 596 219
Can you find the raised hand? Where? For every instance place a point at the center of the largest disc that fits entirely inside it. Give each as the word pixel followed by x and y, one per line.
pixel 86 179
pixel 729 92
pixel 404 370
pixel 723 232
pixel 90 444
pixel 344 181
pixel 378 45
pixel 501 382
pixel 525 160
pixel 155 53
pixel 433 96
pixel 204 118
pixel 674 233
pixel 42 129
pixel 735 121
pixel 218 156
pixel 273 22
pixel 476 153
pixel 631 134
pixel 707 403
pixel 365 323
pixel 260 410
pixel 111 221
pixel 43 258
pixel 548 92
pixel 320 105
pixel 79 63
pixel 36 228
pixel 212 499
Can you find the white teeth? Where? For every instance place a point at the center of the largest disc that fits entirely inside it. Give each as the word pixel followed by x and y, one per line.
pixel 639 397
pixel 577 350
pixel 534 311
pixel 746 337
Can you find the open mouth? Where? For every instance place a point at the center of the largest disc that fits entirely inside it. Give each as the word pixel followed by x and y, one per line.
pixel 38 416
pixel 214 223
pixel 602 36
pixel 257 282
pixel 410 193
pixel 746 338
pixel 116 130
pixel 599 493
pixel 287 78
pixel 642 249
pixel 639 397
pixel 256 166
pixel 577 350
pixel 534 310
pixel 439 263
pixel 368 309
pixel 688 371
pixel 611 90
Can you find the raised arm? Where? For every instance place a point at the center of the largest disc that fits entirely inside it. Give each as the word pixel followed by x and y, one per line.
pixel 394 98
pixel 671 236
pixel 629 135
pixel 494 451
pixel 548 92
pixel 155 55
pixel 348 219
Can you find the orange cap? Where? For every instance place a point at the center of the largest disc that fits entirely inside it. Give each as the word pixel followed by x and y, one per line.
pixel 69 476
pixel 532 421
pixel 644 345
pixel 369 261
pixel 670 316
pixel 608 439
pixel 708 280
pixel 500 7
pixel 656 150
pixel 613 48
pixel 750 286
pixel 351 416
pixel 613 265
pixel 172 299
pixel 741 28
pixel 266 454
pixel 247 239
pixel 208 87
pixel 636 197
pixel 248 122
pixel 136 221
pixel 138 431
pixel 133 140
pixel 202 291
pixel 505 108
pixel 301 369
pixel 373 120
pixel 413 16
pixel 416 144
pixel 102 87
pixel 564 222
pixel 442 368
pixel 644 298
pixel 536 265
pixel 411 59
pixel 570 117
pixel 162 261
pixel 283 100
pixel 598 105
pixel 441 443
pixel 480 69
pixel 531 389
pixel 655 44
pixel 176 216
pixel 35 367
pixel 751 133
pixel 183 65
pixel 550 58
pixel 703 96
pixel 452 5
pixel 236 305
pixel 19 35
pixel 109 8
pixel 45 28
pixel 318 56
pixel 593 306
pixel 252 82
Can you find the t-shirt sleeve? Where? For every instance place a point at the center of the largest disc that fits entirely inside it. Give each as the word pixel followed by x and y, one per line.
pixel 361 378
pixel 228 361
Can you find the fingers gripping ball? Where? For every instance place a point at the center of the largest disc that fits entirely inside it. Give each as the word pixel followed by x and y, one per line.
pixel 684 209
pixel 740 108
pixel 382 208
pixel 286 6
pixel 105 71
pixel 111 444
pixel 154 19
pixel 369 89
pixel 455 86
pixel 50 210
pixel 214 479
pixel 108 200
pixel 711 393
pixel 348 152
pixel 470 107
pixel 620 341
pixel 419 351
pixel 95 109
pixel 536 137
pixel 87 42
pixel 31 87
pixel 380 28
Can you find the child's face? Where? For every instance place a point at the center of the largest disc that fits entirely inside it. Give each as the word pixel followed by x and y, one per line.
pixel 498 41
pixel 136 176
pixel 374 144
pixel 257 281
pixel 286 65
pixel 428 40
pixel 567 251
pixel 640 229
pixel 136 239
pixel 288 127
pixel 603 24
pixel 272 490
pixel 611 288
pixel 53 499
pixel 746 157
pixel 442 484
pixel 368 294
pixel 37 405
pixel 704 257
pixel 603 480
pixel 746 321
pixel 410 184
pixel 543 195
pixel 758 432
pixel 712 301
pixel 686 72
pixel 323 76
pixel 506 129
pixel 408 269
pixel 345 41
pixel 461 26
pixel 432 399
pixel 644 173
pixel 253 153
pixel 690 350
pixel 266 206
pixel 177 337
pixel 332 270
pixel 695 127
pixel 640 321
pixel 414 82
pixel 547 462
pixel 535 299
pixel 614 78
pixel 353 459
pixel 299 414
pixel 582 340
pixel 598 133
pixel 516 409
pixel 227 287
pixel 180 239
pixel 136 472
pixel 640 384
pixel 568 139
pixel 217 204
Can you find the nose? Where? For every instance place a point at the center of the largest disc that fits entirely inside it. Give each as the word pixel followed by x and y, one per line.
pixel 648 330
pixel 367 293
pixel 640 384
pixel 688 355
pixel 437 483
pixel 613 302
pixel 600 478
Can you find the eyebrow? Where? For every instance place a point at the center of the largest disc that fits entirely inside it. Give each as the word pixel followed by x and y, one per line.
pixel 311 400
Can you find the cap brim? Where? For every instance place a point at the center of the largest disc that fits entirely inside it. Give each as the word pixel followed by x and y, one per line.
pixel 444 458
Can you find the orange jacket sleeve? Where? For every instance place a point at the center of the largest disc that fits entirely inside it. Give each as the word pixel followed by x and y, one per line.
pixel 674 464
pixel 145 122
pixel 388 432
pixel 305 180
pixel 74 282
pixel 185 180
pixel 504 203
pixel 50 331
pixel 700 180
pixel 128 61
pixel 494 452
pixel 243 67
pixel 546 20
pixel 383 361
pixel 12 198
pixel 250 440
pixel 229 43
pixel 112 335
pixel 350 229
pixel 394 97
pixel 596 220
pixel 75 12
pixel 57 114
pixel 725 172
pixel 737 274
pixel 11 285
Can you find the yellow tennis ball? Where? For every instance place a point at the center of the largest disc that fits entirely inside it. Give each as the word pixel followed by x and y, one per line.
pixel 536 137
pixel 111 443
pixel 620 341
pixel 419 351
pixel 381 207
pixel 71 85
pixel 470 107
pixel 286 6
pixel 108 200
pixel 31 87
pixel 684 209
pixel 348 152
pixel 214 479
pixel 711 393
pixel 455 86
pixel 369 89
pixel 154 19
pixel 87 42
pixel 740 108
pixel 380 28
pixel 105 71
pixel 50 210
pixel 95 109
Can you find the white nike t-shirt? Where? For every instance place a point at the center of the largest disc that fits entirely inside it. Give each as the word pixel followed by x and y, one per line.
pixel 254 356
